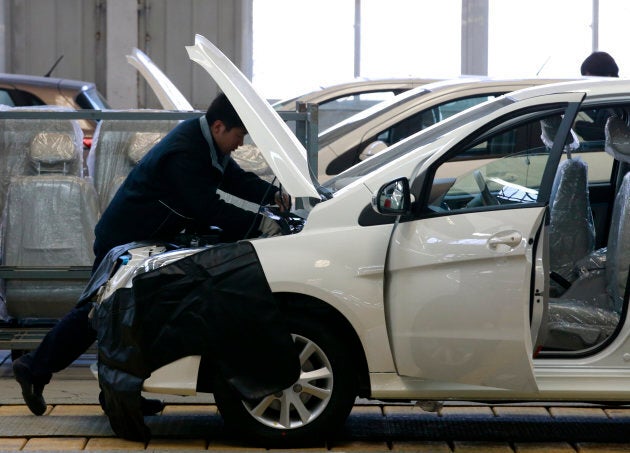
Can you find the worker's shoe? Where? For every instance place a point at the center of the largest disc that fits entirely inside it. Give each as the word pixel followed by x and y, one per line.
pixel 32 388
pixel 151 406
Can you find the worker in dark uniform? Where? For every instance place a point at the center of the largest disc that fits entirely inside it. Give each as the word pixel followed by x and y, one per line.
pixel 172 188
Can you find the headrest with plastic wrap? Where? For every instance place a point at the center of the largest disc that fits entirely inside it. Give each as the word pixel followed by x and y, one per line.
pixel 549 128
pixel 141 143
pixel 51 148
pixel 618 139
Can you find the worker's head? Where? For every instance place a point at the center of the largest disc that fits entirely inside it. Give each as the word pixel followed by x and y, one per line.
pixel 228 131
pixel 600 64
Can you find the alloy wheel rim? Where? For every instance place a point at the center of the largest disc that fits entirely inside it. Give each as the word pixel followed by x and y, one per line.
pixel 305 400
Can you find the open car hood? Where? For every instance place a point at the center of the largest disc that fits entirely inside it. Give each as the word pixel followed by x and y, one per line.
pixel 283 152
pixel 167 93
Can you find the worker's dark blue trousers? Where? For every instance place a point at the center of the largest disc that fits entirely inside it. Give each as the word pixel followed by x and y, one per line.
pixel 67 340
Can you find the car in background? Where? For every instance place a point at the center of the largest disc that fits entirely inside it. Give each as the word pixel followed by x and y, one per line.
pixel 21 90
pixel 340 101
pixel 371 131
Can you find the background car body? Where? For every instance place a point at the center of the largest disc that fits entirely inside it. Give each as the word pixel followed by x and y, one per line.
pixel 28 90
pixel 351 140
pixel 340 101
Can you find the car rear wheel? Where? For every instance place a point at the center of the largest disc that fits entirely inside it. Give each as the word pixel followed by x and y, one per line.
pixel 314 407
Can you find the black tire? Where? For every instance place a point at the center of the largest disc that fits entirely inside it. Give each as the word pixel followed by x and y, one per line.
pixel 325 403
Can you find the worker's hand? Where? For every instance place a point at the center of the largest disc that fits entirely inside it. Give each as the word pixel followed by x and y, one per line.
pixel 283 200
pixel 269 227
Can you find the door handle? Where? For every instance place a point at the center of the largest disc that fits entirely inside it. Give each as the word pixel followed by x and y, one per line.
pixel 510 238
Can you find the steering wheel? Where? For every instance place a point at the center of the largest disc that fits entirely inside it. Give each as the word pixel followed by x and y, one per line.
pixel 486 196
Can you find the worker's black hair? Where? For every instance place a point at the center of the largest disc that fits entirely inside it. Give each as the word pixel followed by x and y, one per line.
pixel 221 109
pixel 600 64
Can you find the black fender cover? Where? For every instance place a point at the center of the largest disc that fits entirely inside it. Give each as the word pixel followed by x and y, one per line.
pixel 216 303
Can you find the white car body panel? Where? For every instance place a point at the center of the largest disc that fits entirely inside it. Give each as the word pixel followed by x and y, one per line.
pixel 335 260
pixel 167 93
pixel 324 262
pixel 178 377
pixel 326 239
pixel 439 274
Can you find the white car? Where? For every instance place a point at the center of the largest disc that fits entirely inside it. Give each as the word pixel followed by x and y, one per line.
pixel 372 130
pixel 402 285
pixel 338 102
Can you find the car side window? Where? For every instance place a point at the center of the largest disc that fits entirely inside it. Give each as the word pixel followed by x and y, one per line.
pixel 426 118
pixel 337 110
pixel 451 108
pixel 24 98
pixel 5 98
pixel 410 126
pixel 503 170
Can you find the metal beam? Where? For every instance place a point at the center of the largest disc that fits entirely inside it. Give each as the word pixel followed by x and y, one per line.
pixel 595 26
pixel 357 38
pixel 474 47
pixel 122 35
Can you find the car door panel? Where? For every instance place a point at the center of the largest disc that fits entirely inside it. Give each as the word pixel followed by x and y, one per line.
pixel 472 271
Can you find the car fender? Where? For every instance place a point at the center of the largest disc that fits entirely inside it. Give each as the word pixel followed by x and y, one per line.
pixel 338 263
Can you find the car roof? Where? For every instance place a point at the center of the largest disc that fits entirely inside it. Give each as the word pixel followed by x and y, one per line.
pixel 356 86
pixel 42 81
pixel 592 86
pixel 49 89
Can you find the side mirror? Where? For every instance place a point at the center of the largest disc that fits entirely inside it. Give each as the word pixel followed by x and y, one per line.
pixel 372 149
pixel 394 198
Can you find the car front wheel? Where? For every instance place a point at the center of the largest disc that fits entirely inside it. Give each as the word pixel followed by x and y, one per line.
pixel 310 410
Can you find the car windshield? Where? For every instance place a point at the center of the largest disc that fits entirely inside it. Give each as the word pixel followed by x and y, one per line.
pixel 355 121
pixel 90 98
pixel 421 138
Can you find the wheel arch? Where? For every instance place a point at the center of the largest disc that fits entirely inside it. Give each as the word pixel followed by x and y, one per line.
pixel 291 302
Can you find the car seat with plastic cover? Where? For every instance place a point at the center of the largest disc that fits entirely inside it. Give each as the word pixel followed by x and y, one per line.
pixel 16 136
pixel 571 226
pixel 589 311
pixel 118 145
pixel 49 220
